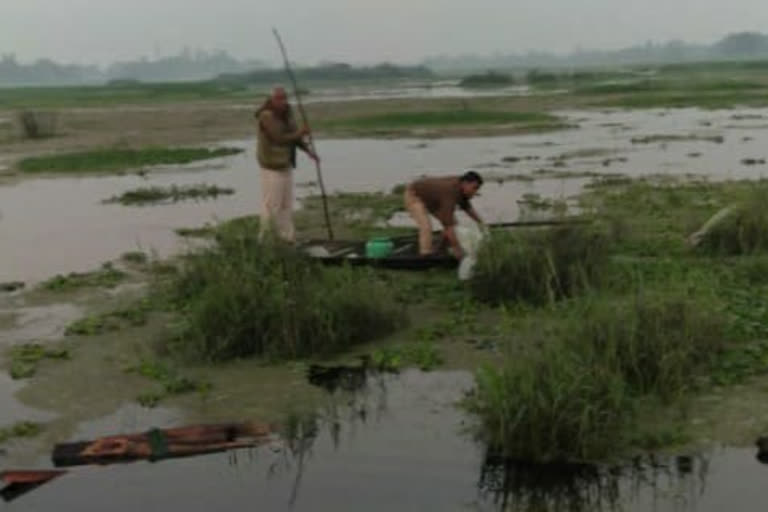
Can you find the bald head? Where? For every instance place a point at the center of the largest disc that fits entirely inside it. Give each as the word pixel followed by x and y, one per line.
pixel 279 99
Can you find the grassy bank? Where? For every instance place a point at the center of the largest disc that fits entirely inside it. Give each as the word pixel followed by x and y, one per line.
pixel 403 122
pixel 576 393
pixel 19 430
pixel 683 99
pixel 655 324
pixel 243 297
pixel 106 277
pixel 597 337
pixel 112 95
pixel 672 90
pixel 706 85
pixel 489 79
pixel 173 194
pixel 111 160
pixel 539 267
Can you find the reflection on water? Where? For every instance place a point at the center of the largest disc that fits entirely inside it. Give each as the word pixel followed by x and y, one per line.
pixel 397 442
pixel 519 485
pixel 381 442
pixel 664 483
pixel 670 483
pixel 340 377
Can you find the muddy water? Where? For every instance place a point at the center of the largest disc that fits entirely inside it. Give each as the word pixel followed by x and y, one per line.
pixel 400 445
pixel 11 408
pixel 38 323
pixel 49 226
pixel 427 90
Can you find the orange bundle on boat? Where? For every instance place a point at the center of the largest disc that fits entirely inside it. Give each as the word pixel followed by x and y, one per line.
pixel 157 444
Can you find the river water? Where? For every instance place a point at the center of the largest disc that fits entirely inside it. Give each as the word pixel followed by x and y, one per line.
pixel 56 225
pixel 402 444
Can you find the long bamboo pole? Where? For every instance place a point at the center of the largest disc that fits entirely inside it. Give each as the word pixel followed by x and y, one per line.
pixel 306 122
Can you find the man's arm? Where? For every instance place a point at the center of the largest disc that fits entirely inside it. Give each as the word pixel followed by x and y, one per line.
pixel 302 145
pixel 470 210
pixel 272 128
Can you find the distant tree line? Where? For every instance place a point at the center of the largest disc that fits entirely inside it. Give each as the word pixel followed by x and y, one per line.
pixel 186 66
pixel 218 66
pixel 744 45
pixel 199 65
pixel 44 71
pixel 330 72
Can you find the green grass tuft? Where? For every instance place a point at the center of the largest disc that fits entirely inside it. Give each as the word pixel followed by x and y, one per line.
pixel 106 277
pixel 406 120
pixel 135 315
pixel 171 382
pixel 489 79
pixel 423 355
pixel 242 297
pixel 20 429
pixel 572 392
pixel 26 358
pixel 135 257
pixel 547 404
pixel 745 230
pixel 173 194
pixel 109 160
pixel 201 232
pixel 539 266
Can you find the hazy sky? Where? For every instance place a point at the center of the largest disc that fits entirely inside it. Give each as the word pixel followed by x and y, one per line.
pixel 101 31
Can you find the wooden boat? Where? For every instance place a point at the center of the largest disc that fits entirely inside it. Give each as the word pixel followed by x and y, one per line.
pixel 158 444
pixel 19 482
pixel 405 254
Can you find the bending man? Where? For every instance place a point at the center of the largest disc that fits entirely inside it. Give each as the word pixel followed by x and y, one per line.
pixel 278 138
pixel 440 197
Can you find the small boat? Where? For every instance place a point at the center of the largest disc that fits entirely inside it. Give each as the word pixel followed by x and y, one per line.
pixel 158 444
pixel 404 250
pixel 403 256
pixel 19 482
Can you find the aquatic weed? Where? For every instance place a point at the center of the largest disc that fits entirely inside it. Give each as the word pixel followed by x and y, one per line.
pixel 20 429
pixel 107 277
pixel 571 392
pixel 245 297
pixel 539 266
pixel 171 382
pixel 26 357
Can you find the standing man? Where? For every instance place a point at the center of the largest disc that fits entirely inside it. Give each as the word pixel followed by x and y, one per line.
pixel 440 197
pixel 278 138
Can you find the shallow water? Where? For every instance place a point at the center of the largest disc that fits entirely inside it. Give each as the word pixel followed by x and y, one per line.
pixel 400 445
pixel 38 323
pixel 11 409
pixel 408 450
pixel 56 225
pixel 414 90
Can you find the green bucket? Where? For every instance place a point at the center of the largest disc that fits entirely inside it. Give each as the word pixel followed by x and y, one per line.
pixel 379 248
